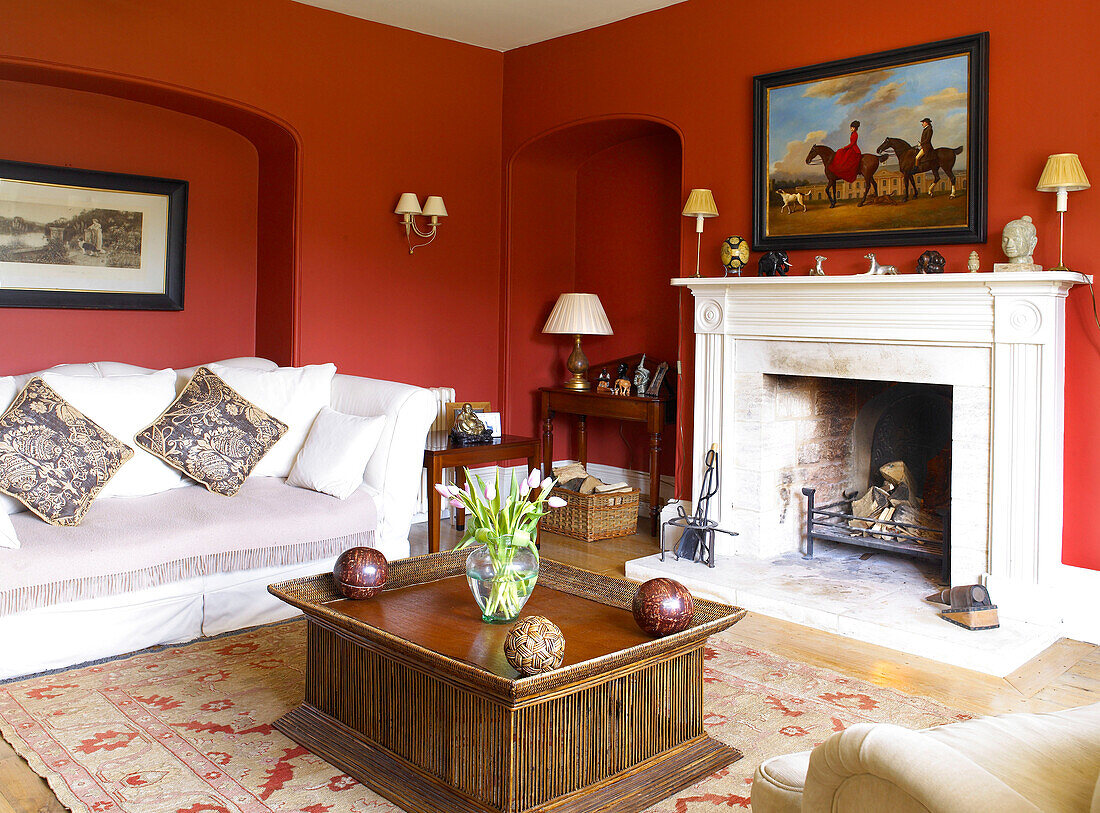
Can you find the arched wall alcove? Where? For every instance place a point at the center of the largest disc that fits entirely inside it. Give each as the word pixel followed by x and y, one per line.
pixel 592 206
pixel 277 147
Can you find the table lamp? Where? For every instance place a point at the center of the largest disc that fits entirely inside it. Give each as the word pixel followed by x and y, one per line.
pixel 700 204
pixel 1063 174
pixel 578 314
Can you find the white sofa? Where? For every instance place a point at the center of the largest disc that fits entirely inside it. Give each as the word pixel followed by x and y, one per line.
pixel 1011 763
pixel 184 563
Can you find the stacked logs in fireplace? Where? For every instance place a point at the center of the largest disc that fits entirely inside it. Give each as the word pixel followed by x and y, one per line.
pixel 888 517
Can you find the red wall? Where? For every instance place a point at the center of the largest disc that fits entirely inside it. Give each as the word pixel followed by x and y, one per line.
pixel 90 131
pixel 671 64
pixel 378 111
pixel 627 240
pixel 589 211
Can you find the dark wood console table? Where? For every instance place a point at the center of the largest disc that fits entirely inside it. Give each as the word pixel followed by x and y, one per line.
pixel 588 403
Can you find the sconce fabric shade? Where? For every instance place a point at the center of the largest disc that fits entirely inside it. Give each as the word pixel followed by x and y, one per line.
pixel 407 204
pixel 578 313
pixel 1063 171
pixel 433 207
pixel 700 203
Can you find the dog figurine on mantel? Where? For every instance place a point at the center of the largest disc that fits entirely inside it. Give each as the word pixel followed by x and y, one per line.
pixel 877 269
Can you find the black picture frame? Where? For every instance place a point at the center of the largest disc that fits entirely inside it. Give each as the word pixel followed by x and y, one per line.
pixel 175 237
pixel 976 46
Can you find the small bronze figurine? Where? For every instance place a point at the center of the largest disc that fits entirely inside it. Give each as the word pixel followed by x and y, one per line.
pixel 622 383
pixel 641 377
pixel 469 429
pixel 931 262
pixel 603 381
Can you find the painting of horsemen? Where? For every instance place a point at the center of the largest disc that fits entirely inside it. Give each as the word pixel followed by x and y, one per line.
pixel 886 149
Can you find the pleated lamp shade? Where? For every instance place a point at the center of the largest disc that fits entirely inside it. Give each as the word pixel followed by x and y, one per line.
pixel 578 313
pixel 1063 171
pixel 700 203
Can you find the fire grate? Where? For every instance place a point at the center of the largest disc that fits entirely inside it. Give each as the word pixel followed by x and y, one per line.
pixel 830 523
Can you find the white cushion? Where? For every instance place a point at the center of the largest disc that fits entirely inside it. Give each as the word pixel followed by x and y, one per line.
pixel 8 539
pixel 294 395
pixel 8 390
pixel 124 405
pixel 336 452
pixel 183 374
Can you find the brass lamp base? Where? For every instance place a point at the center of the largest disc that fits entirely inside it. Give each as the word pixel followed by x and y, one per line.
pixel 577 364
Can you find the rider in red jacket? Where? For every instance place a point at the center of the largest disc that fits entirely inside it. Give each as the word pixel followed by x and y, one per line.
pixel 845 163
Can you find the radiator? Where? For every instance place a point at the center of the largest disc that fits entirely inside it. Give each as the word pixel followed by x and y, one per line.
pixel 443 396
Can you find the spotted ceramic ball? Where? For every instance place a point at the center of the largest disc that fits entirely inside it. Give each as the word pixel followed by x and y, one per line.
pixel 662 607
pixel 534 645
pixel 360 572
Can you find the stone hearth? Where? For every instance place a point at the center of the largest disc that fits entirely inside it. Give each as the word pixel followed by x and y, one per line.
pixel 995 339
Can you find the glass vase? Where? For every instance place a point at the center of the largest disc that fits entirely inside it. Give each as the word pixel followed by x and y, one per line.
pixel 501 577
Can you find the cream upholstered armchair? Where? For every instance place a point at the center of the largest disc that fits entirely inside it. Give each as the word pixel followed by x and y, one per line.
pixel 1014 762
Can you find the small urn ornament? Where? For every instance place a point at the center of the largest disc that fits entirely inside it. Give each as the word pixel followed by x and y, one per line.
pixel 534 645
pixel 663 606
pixel 361 572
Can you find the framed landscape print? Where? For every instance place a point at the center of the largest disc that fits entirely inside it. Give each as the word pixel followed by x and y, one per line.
pixel 879 150
pixel 76 238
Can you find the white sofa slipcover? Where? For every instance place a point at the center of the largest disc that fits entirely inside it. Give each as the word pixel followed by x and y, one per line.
pixel 176 590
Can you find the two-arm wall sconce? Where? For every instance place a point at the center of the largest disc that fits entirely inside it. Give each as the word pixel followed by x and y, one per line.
pixel 408 206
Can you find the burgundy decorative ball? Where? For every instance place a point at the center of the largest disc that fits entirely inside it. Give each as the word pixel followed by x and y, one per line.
pixel 662 607
pixel 360 572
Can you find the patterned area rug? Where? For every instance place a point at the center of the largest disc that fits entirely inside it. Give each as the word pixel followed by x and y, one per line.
pixel 188 729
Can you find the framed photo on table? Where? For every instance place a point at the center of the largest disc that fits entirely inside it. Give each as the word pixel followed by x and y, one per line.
pixel 881 150
pixel 78 238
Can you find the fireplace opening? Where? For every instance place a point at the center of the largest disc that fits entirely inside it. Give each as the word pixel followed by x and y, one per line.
pixel 886 481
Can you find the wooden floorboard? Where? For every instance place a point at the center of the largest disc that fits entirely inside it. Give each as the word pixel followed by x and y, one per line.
pixel 1067 674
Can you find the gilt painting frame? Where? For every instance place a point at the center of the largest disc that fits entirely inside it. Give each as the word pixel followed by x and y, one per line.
pixel 804 117
pixel 79 238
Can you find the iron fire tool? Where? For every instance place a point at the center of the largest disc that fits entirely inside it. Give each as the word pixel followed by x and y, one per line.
pixel 695 529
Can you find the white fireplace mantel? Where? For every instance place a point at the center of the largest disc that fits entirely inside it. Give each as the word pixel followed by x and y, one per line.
pixel 998 338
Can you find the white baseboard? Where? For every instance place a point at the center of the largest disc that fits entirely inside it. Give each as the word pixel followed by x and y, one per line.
pixel 1080 595
pixel 1069 602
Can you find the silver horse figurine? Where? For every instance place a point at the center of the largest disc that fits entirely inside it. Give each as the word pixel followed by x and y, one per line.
pixel 817 270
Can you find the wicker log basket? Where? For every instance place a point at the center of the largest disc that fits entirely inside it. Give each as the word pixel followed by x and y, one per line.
pixel 593 516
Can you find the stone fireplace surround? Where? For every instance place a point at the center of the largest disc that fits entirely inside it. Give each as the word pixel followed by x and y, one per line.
pixel 996 338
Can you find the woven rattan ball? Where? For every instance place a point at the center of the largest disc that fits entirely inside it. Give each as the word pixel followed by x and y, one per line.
pixel 534 645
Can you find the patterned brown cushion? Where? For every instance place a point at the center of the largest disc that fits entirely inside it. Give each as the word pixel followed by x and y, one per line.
pixel 54 459
pixel 212 434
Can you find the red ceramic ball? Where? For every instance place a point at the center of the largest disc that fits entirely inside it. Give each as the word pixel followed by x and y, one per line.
pixel 662 607
pixel 360 572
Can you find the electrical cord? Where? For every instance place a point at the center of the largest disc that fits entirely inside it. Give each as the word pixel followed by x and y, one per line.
pixel 1095 317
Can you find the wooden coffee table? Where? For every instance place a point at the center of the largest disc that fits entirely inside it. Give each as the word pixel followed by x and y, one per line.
pixel 410 693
